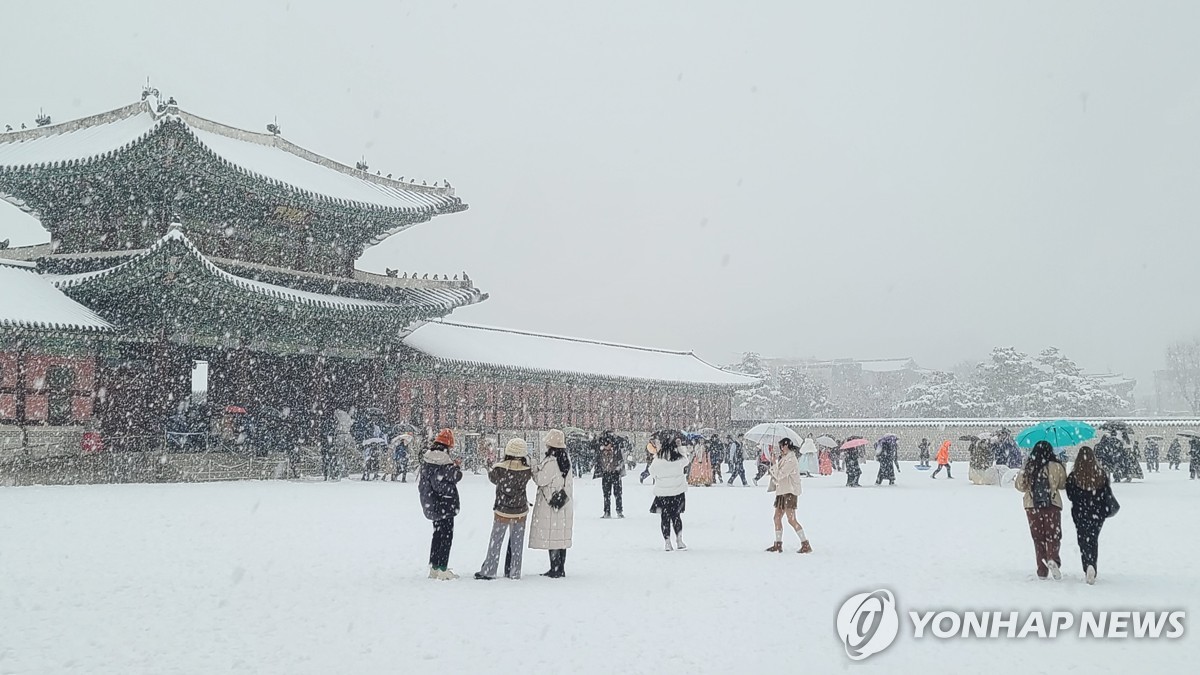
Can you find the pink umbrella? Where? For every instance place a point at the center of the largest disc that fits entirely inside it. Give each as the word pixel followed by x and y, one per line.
pixel 855 443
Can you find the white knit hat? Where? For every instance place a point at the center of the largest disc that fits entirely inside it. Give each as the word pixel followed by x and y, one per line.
pixel 555 439
pixel 516 447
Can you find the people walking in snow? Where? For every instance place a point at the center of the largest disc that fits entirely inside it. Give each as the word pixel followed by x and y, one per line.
pixel 399 445
pixel 981 461
pixel 1089 490
pixel 763 463
pixel 554 507
pixel 886 452
pixel 1174 454
pixel 1152 454
pixel 850 461
pixel 716 455
pixel 510 476
pixel 438 488
pixel 670 486
pixel 1041 481
pixel 737 458
pixel 610 466
pixel 923 453
pixel 807 457
pixel 701 471
pixel 943 460
pixel 825 463
pixel 785 482
pixel 1193 458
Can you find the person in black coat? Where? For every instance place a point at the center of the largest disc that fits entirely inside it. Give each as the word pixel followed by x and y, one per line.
pixel 1152 455
pixel 923 453
pixel 737 458
pixel 1089 490
pixel 438 488
pixel 853 470
pixel 1174 454
pixel 1193 458
pixel 716 455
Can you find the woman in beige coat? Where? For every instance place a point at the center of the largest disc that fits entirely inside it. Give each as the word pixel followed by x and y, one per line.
pixel 1041 480
pixel 551 528
pixel 785 481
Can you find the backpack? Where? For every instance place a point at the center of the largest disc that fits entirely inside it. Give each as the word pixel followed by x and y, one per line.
pixel 1040 489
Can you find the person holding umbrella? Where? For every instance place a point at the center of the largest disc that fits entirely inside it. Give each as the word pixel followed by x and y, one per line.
pixel 943 460
pixel 1152 453
pixel 850 450
pixel 785 482
pixel 886 451
pixel 1174 454
pixel 1041 481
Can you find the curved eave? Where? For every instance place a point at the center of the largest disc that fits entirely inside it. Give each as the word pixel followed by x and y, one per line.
pixel 425 300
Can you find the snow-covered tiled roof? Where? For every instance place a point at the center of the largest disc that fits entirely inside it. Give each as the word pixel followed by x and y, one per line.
pixel 30 301
pixel 265 155
pixel 505 348
pixel 434 298
pixel 1013 423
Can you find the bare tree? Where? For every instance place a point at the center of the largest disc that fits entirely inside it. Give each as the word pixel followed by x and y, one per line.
pixel 1183 363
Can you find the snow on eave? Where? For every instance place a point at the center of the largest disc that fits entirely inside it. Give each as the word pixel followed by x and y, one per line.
pixel 270 290
pixel 31 302
pixel 615 370
pixel 366 190
pixel 1014 423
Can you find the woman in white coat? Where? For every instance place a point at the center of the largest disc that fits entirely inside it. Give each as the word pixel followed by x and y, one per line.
pixel 785 482
pixel 670 486
pixel 551 528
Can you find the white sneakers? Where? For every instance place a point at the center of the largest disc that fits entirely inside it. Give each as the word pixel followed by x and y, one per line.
pixel 667 545
pixel 679 543
pixel 441 575
pixel 1091 575
pixel 1054 570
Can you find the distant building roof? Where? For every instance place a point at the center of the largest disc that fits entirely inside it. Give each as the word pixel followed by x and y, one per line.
pixel 30 301
pixel 550 353
pixel 868 365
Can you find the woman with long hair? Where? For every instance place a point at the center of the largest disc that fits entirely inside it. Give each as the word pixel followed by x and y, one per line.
pixel 1089 490
pixel 785 481
pixel 511 506
pixel 670 486
pixel 1041 480
pixel 552 526
pixel 701 472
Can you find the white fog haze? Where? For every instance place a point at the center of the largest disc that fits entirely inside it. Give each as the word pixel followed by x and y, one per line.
pixel 830 180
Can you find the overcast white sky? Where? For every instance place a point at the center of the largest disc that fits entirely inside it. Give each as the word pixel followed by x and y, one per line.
pixel 835 179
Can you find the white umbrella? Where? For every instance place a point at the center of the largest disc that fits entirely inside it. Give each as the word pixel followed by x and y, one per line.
pixel 770 433
pixel 826 441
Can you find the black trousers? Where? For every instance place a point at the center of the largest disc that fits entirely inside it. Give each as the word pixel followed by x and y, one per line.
pixel 1087 532
pixel 443 539
pixel 737 469
pixel 939 470
pixel 558 562
pixel 670 519
pixel 717 477
pixel 610 483
pixel 763 468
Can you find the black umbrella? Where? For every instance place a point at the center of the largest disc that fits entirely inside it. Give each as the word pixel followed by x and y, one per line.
pixel 1115 425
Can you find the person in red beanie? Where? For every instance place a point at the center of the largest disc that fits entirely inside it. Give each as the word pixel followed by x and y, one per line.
pixel 438 487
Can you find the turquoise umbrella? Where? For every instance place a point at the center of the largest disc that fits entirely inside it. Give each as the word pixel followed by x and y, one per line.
pixel 1059 433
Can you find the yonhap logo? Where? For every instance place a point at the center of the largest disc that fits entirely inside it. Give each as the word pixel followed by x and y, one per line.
pixel 868 623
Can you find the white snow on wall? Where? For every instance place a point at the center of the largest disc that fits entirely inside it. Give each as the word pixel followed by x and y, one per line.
pixel 29 301
pixel 533 351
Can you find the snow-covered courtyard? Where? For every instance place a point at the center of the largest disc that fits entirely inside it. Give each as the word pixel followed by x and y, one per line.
pixel 312 577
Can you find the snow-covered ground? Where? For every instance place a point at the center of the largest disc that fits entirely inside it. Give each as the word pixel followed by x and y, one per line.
pixel 311 577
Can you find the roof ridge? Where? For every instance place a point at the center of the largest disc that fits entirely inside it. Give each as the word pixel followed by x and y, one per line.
pixel 124 112
pixel 280 143
pixel 567 338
